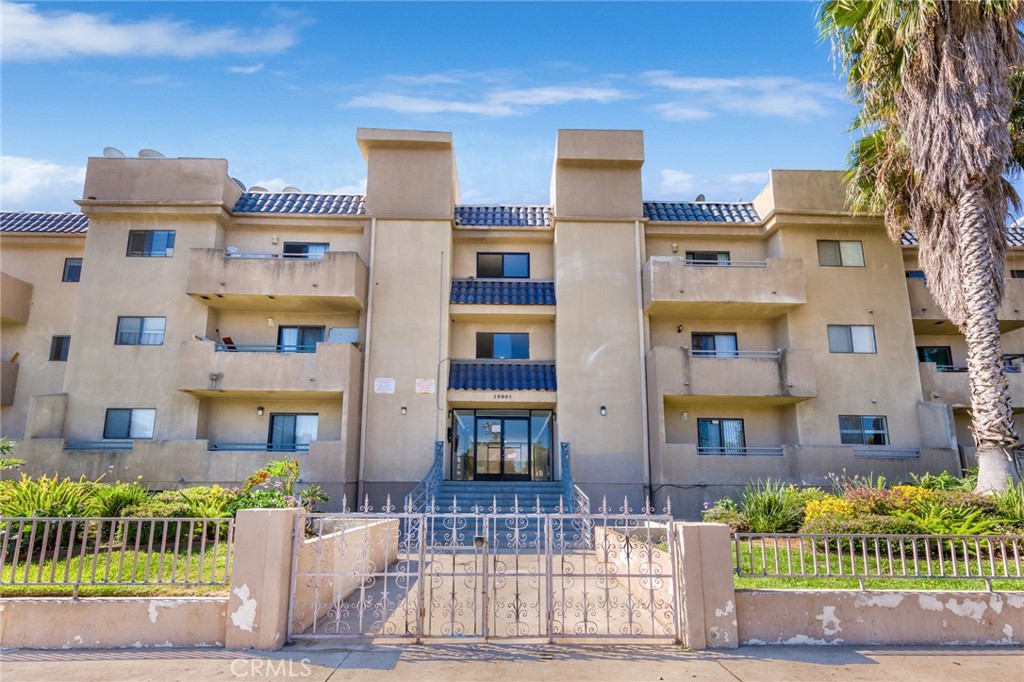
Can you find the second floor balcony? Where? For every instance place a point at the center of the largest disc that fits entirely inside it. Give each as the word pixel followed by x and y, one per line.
pixel 929 318
pixel 335 281
pixel 728 290
pixel 15 299
pixel 770 377
pixel 950 384
pixel 209 369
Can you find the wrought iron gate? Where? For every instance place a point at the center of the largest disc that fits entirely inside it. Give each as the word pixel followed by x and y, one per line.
pixel 484 574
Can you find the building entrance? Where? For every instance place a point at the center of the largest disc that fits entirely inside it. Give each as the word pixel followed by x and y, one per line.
pixel 505 445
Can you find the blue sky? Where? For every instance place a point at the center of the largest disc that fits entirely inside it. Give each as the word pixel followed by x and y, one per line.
pixel 723 91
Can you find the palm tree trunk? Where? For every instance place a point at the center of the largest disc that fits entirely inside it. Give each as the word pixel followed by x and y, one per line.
pixel 992 417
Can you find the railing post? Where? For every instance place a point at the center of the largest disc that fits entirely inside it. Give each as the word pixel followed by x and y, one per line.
pixel 260 579
pixel 706 586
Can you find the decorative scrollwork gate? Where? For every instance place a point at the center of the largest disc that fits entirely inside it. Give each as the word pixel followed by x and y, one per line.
pixel 484 574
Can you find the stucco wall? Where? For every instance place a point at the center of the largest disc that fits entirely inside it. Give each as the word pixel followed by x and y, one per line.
pixel 879 617
pixel 112 623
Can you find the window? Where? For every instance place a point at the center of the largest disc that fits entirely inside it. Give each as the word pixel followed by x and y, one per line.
pixel 1016 274
pixel 720 437
pixel 140 331
pixel 855 429
pixel 292 432
pixel 717 345
pixel 851 338
pixel 307 250
pixel 940 355
pixel 299 339
pixel 503 265
pixel 151 243
pixel 915 274
pixel 59 346
pixel 129 423
pixel 502 345
pixel 707 258
pixel 845 254
pixel 72 270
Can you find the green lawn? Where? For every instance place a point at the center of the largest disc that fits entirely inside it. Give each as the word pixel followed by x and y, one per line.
pixel 115 571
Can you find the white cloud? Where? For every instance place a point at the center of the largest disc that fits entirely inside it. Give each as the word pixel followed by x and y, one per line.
pixel 677 181
pixel 355 188
pixel 676 111
pixel 756 178
pixel 273 184
pixel 246 70
pixel 29 34
pixel 782 96
pixel 496 103
pixel 23 180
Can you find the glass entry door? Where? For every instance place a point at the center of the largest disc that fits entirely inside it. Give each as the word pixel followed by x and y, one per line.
pixel 502 448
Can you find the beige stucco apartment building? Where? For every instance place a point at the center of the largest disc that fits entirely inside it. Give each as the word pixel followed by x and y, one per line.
pixel 185 331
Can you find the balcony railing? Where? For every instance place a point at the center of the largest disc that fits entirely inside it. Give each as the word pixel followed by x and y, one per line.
pixel 98 445
pixel 733 354
pixel 264 348
pixel 770 451
pixel 728 263
pixel 257 447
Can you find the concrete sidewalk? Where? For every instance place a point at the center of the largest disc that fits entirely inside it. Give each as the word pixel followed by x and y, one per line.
pixel 508 663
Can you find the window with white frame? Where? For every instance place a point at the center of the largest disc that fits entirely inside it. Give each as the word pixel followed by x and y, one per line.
pixel 851 338
pixel 140 331
pixel 835 253
pixel 129 422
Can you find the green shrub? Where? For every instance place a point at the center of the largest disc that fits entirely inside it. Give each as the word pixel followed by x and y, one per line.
pixel 865 524
pixel 725 511
pixel 210 502
pixel 259 498
pixel 937 517
pixel 1010 504
pixel 772 506
pixel 46 496
pixel 947 481
pixel 113 499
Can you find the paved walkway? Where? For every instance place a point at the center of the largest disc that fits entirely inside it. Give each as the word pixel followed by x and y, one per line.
pixel 509 663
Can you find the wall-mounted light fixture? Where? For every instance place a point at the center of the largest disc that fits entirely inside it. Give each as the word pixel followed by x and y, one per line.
pixel 679 329
pixel 604 410
pixel 686 416
pixel 270 322
pixel 273 239
pixel 259 411
pixel 404 409
pixel 675 247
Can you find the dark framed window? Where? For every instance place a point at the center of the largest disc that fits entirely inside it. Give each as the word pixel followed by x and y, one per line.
pixel 717 436
pixel 861 429
pixel 140 331
pixel 503 265
pixel 502 345
pixel 299 339
pixel 707 258
pixel 847 254
pixel 292 432
pixel 151 243
pixel 72 270
pixel 916 274
pixel 305 250
pixel 714 344
pixel 132 422
pixel 1016 274
pixel 851 338
pixel 940 355
pixel 59 346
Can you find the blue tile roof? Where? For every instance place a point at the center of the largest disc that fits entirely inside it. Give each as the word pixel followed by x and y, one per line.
pixel 503 292
pixel 57 223
pixel 287 202
pixel 502 375
pixel 700 212
pixel 1014 236
pixel 503 216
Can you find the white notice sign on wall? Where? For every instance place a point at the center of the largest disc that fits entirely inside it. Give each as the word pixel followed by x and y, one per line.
pixel 425 386
pixel 384 385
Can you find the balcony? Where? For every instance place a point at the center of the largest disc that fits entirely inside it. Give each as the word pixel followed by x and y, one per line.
pixel 8 382
pixel 15 299
pixel 336 282
pixel 950 385
pixel 748 377
pixel 738 290
pixel 261 371
pixel 929 319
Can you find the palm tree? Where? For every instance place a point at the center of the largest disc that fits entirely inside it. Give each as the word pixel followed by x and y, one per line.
pixel 940 95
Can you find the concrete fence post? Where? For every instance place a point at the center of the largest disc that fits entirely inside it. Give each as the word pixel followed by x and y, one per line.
pixel 708 594
pixel 260 579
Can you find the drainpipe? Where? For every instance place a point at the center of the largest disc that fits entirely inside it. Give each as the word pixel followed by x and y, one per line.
pixel 642 336
pixel 441 315
pixel 366 364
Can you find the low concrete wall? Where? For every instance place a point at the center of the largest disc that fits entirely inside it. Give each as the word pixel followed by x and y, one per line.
pixel 111 623
pixel 359 548
pixel 879 617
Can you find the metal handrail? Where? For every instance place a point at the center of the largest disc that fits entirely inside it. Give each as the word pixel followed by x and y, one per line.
pixel 577 499
pixel 865 556
pixel 734 354
pixel 111 444
pixel 770 451
pixel 264 348
pixel 264 256
pixel 426 490
pixel 726 264
pixel 258 447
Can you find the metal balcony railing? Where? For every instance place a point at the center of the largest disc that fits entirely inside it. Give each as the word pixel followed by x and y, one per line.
pixel 772 451
pixel 733 354
pixel 264 348
pixel 727 264
pixel 98 445
pixel 257 447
